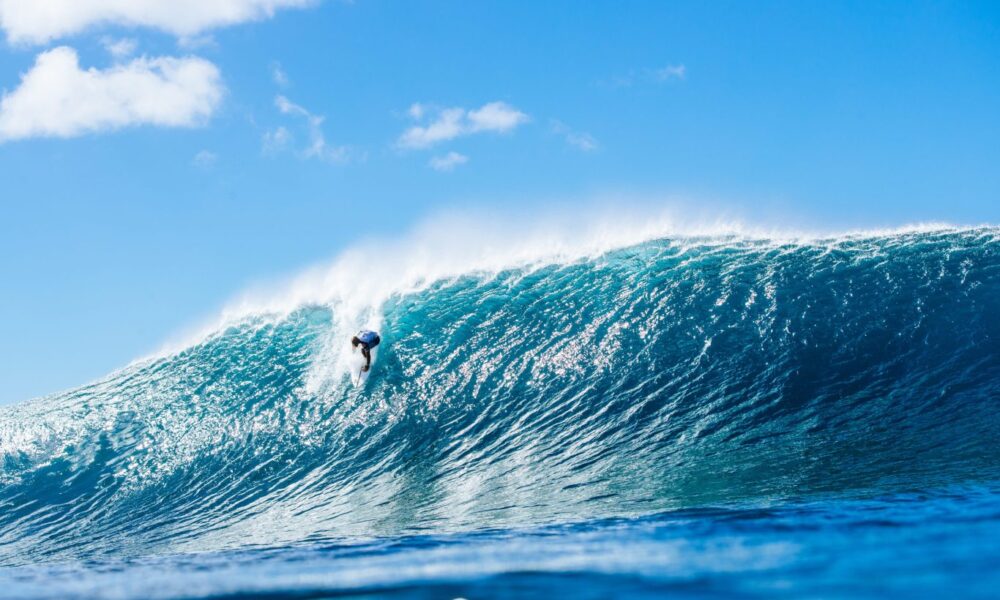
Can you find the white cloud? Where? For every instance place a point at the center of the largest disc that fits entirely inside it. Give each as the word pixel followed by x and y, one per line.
pixel 669 72
pixel 657 75
pixel 287 107
pixel 57 98
pixel 448 162
pixel 40 21
pixel 278 75
pixel 318 146
pixel 416 111
pixel 119 48
pixel 197 42
pixel 451 123
pixel 276 140
pixel 205 159
pixel 580 139
pixel 496 116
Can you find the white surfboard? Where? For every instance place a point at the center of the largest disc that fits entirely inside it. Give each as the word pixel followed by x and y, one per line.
pixel 358 375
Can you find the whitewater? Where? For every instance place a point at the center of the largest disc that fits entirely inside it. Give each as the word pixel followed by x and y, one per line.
pixel 610 408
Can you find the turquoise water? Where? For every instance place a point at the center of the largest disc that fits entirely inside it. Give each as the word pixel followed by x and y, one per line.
pixel 701 416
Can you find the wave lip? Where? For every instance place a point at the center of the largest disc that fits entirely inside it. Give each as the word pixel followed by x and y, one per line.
pixel 672 373
pixel 364 277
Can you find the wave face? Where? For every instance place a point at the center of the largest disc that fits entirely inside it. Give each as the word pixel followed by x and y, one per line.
pixel 671 374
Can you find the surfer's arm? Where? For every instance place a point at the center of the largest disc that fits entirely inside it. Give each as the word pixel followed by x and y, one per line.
pixel 368 357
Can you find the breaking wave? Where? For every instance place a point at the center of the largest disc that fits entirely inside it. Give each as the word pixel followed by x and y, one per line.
pixel 562 383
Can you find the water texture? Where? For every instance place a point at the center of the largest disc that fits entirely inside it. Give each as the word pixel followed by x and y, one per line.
pixel 694 415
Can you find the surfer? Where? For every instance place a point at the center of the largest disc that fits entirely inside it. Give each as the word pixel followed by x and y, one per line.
pixel 367 340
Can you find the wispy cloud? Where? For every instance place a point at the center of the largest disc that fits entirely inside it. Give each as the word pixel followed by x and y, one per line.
pixel 579 139
pixel 276 140
pixel 416 111
pixel 278 75
pixel 288 107
pixel 119 48
pixel 205 159
pixel 318 146
pixel 448 162
pixel 669 72
pixel 40 21
pixel 655 75
pixel 197 42
pixel 56 98
pixel 450 123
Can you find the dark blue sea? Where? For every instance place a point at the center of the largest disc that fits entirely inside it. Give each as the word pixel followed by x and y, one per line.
pixel 687 417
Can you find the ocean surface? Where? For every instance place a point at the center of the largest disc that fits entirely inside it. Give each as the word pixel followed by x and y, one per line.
pixel 720 416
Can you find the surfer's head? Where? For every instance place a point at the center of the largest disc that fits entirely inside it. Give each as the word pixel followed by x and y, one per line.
pixel 355 341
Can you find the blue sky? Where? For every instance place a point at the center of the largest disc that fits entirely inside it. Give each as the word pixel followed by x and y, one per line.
pixel 155 161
